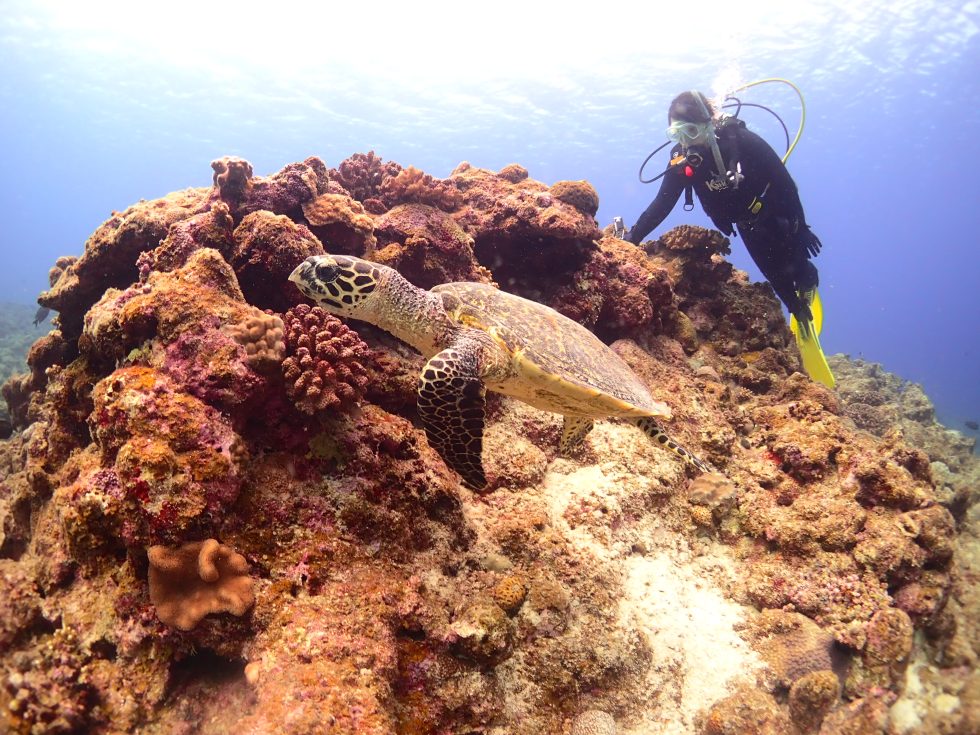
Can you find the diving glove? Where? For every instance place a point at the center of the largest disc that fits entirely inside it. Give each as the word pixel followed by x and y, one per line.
pixel 619 228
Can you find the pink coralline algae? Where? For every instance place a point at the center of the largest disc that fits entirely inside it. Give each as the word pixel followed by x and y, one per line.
pixel 168 463
pixel 427 246
pixel 341 221
pixel 174 322
pixel 528 234
pixel 112 251
pixel 267 248
pixel 325 361
pixel 211 229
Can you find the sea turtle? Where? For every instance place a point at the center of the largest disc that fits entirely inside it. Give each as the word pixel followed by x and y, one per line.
pixel 477 337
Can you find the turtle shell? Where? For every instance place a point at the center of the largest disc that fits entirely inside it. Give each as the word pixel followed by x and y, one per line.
pixel 561 365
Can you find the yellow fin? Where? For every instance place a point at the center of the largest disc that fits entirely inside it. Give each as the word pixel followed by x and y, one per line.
pixel 816 308
pixel 814 361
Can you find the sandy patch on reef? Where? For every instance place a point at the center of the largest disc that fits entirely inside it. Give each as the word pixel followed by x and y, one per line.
pixel 673 583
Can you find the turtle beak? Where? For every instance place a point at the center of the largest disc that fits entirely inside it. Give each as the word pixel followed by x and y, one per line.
pixel 300 274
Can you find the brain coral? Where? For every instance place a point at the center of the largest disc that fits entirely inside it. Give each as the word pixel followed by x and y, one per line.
pixel 793 646
pixel 594 722
pixel 324 368
pixel 197 579
pixel 509 593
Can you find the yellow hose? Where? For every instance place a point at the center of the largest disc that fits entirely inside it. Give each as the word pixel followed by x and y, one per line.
pixel 799 133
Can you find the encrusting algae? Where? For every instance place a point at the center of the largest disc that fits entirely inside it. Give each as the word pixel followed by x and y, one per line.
pixel 188 400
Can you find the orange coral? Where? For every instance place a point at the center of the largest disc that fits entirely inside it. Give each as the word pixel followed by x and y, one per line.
pixel 509 593
pixel 580 194
pixel 261 335
pixel 198 579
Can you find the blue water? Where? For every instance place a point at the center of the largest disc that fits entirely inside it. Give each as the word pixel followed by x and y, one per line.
pixel 104 103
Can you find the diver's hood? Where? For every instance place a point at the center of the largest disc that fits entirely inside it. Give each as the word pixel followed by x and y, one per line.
pixel 713 139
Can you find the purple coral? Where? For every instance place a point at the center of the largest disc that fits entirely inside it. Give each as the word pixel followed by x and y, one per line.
pixel 324 367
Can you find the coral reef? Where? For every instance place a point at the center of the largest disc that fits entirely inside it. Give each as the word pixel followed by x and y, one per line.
pixel 824 581
pixel 197 579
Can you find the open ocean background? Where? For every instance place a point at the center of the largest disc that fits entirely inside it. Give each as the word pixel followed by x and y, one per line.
pixel 104 103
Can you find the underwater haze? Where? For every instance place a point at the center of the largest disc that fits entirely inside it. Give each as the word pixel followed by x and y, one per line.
pixel 105 103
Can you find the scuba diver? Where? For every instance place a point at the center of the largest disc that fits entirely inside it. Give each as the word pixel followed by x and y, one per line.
pixel 744 187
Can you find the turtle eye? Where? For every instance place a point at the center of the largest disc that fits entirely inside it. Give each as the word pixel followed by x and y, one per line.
pixel 327 272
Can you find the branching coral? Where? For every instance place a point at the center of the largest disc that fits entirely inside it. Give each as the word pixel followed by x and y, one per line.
pixel 362 176
pixel 412 185
pixel 198 579
pixel 325 363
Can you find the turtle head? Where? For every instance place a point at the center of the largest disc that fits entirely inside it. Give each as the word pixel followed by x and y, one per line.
pixel 340 284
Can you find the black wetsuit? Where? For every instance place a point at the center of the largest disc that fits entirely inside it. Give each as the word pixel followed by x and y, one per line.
pixel 776 234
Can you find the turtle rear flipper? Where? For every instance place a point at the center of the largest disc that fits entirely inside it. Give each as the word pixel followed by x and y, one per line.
pixel 573 434
pixel 655 433
pixel 452 404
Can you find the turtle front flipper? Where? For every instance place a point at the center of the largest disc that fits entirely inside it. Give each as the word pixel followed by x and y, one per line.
pixel 655 432
pixel 452 403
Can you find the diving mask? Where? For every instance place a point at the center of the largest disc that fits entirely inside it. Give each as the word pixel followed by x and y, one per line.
pixel 688 133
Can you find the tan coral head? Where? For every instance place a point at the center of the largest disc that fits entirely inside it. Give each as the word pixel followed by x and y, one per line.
pixel 340 284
